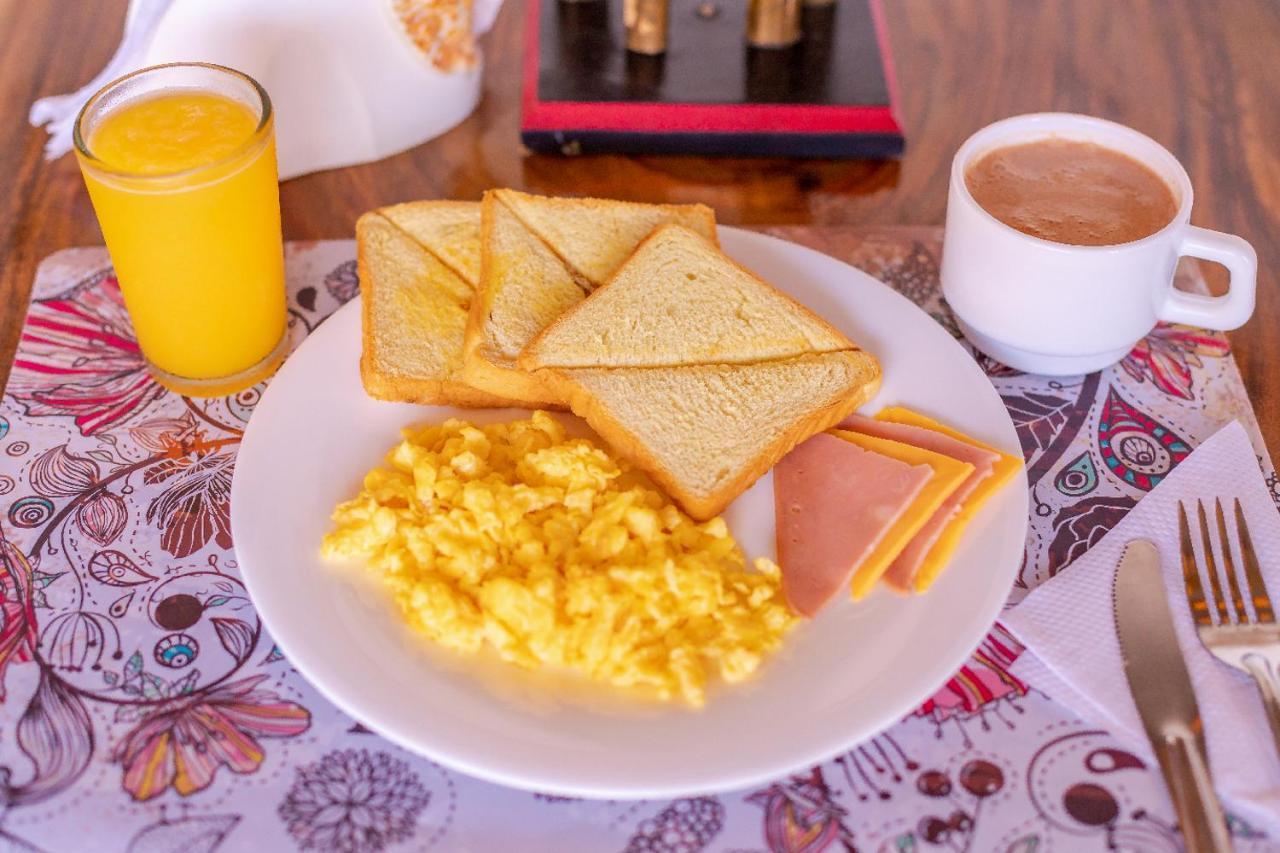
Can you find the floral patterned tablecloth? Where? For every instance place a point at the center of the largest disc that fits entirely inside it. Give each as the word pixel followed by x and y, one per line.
pixel 144 708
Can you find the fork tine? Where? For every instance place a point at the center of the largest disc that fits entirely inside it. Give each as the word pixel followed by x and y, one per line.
pixel 1211 566
pixel 1229 566
pixel 1191 574
pixel 1252 571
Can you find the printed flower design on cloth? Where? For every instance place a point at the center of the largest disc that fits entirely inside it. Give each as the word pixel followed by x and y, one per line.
pixel 185 742
pixel 78 357
pixel 102 517
pixel 685 826
pixel 1079 526
pixel 983 680
pixel 800 815
pixel 1138 449
pixel 1167 355
pixel 196 504
pixel 343 283
pixel 1048 418
pixel 354 801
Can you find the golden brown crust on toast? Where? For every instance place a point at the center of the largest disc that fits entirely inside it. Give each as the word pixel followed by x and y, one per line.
pixel 479 369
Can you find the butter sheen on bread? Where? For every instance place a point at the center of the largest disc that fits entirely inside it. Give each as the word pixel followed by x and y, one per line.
pixel 415 304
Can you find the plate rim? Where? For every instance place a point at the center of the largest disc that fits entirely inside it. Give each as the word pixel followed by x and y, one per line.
pixel 530 781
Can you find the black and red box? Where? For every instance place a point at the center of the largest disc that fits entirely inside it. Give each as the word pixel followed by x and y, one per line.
pixel 830 95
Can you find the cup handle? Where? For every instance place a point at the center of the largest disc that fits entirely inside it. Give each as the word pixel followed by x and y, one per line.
pixel 1221 313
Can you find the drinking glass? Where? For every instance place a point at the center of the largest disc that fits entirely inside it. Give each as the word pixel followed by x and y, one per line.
pixel 197 248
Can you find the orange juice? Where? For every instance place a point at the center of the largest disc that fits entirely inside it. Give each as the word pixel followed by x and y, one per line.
pixel 183 180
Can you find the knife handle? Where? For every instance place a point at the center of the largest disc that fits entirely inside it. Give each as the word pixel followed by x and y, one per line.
pixel 1204 828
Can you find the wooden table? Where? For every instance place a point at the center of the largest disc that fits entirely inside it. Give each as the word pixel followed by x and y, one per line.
pixel 1199 77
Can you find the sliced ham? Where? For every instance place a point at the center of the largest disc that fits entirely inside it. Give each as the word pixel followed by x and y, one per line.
pixel 903 570
pixel 834 501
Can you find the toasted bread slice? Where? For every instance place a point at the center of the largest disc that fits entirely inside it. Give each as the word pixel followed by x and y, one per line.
pixel 450 230
pixel 705 433
pixel 680 300
pixel 526 281
pixel 594 236
pixel 524 286
pixel 414 318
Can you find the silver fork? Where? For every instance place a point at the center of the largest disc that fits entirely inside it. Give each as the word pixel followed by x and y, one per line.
pixel 1248 643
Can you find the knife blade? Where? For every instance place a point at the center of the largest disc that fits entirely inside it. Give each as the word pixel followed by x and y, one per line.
pixel 1164 696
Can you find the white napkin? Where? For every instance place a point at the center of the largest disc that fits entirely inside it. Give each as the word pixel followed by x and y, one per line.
pixel 348 84
pixel 1068 627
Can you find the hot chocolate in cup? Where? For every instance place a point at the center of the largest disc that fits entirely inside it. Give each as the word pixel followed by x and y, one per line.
pixel 1081 267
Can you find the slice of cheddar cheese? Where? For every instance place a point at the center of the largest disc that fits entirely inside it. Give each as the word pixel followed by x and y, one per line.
pixel 945 545
pixel 948 474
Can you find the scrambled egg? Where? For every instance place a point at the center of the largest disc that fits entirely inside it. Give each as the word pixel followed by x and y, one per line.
pixel 554 553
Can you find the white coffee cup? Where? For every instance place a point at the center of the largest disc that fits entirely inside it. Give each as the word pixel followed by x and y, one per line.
pixel 1059 309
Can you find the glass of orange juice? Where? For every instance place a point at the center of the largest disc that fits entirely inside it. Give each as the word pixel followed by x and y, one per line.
pixel 180 162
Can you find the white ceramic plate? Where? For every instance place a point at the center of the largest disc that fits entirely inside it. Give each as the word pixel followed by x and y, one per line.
pixel 839 679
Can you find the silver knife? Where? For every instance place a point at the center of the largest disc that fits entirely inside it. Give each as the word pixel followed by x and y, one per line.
pixel 1162 691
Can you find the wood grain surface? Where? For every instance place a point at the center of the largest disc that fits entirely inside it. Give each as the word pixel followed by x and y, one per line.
pixel 1202 78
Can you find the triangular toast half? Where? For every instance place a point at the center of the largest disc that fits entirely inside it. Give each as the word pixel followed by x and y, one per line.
pixel 414 316
pixel 593 236
pixel 450 230
pixel 680 300
pixel 524 286
pixel 527 281
pixel 707 432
